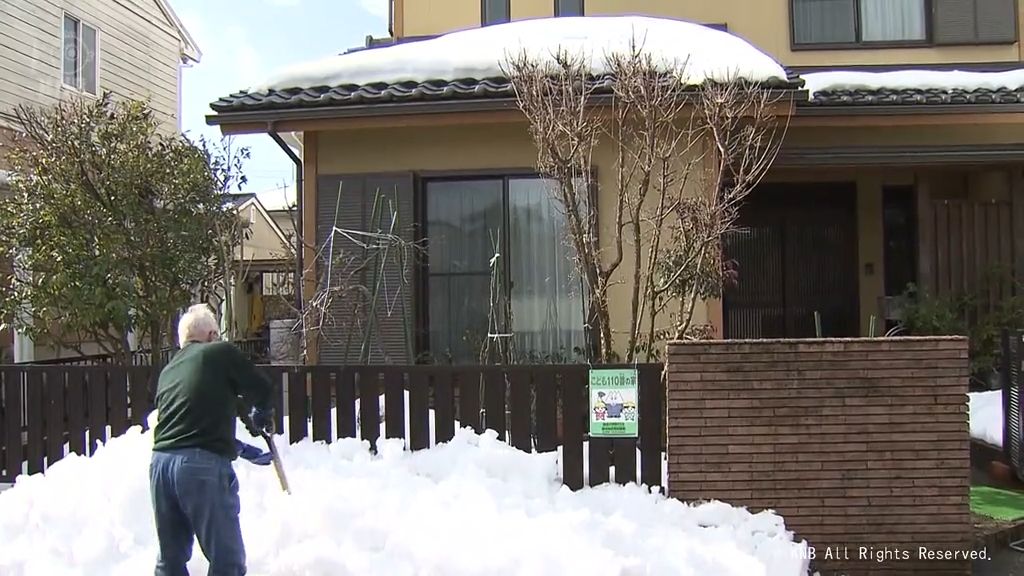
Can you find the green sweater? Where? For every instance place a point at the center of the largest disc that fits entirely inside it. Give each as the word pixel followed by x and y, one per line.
pixel 197 397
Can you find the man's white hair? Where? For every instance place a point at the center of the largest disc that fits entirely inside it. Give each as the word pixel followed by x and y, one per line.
pixel 196 324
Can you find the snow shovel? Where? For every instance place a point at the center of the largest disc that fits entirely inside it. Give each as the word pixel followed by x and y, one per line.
pixel 278 467
pixel 274 456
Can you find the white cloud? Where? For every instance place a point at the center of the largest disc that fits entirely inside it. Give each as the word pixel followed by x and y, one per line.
pixel 285 3
pixel 378 8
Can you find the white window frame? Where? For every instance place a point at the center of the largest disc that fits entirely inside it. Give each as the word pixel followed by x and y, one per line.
pixel 78 49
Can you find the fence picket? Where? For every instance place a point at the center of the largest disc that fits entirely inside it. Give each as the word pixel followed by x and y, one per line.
pixel 600 459
pixel 276 375
pixel 573 384
pixel 96 388
pixel 118 398
pixel 419 410
pixel 76 403
pixel 444 406
pixel 55 422
pixel 345 403
pixel 394 403
pixel 519 407
pixel 369 405
pixel 469 380
pixel 4 412
pixel 14 403
pixel 320 402
pixel 545 387
pixel 34 401
pixel 139 394
pixel 624 459
pixel 494 401
pixel 651 424
pixel 298 413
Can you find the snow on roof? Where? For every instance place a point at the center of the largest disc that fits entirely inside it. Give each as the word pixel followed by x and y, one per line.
pixel 479 52
pixel 912 80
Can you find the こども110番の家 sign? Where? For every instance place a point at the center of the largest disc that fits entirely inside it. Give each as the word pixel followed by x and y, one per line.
pixel 613 403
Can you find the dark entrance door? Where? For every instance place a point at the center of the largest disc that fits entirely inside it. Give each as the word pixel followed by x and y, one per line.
pixel 796 254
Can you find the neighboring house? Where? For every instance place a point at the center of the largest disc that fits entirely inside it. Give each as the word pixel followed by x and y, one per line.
pixel 54 49
pixel 888 176
pixel 264 268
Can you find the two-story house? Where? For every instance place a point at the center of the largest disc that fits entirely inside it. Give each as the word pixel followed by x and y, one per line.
pixel 902 162
pixel 54 49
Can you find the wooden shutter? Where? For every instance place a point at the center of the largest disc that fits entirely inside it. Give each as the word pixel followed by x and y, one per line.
pixel 996 21
pixel 347 203
pixel 954 22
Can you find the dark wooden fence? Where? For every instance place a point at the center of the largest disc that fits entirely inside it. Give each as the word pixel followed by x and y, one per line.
pixel 48 411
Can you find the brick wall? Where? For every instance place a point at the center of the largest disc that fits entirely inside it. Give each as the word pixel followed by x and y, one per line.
pixel 857 443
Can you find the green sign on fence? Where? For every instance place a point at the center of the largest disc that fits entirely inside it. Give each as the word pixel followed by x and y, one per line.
pixel 613 403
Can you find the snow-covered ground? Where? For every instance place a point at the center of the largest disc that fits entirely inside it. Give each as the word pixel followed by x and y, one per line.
pixel 479 53
pixel 471 506
pixel 986 410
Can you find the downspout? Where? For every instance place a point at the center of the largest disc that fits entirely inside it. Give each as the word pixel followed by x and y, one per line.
pixel 299 244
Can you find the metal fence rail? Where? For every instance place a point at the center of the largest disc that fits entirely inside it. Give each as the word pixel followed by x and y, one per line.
pixel 1013 394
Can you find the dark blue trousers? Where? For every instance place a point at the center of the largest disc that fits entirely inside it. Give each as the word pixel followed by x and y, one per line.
pixel 195 495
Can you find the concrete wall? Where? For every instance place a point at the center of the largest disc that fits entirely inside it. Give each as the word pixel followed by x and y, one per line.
pixel 856 443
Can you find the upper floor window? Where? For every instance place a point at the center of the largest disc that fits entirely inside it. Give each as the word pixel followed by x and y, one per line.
pixel 80 62
pixel 568 7
pixel 495 11
pixel 845 23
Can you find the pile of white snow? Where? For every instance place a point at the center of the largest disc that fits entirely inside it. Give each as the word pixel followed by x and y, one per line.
pixel 471 506
pixel 986 413
pixel 816 82
pixel 479 53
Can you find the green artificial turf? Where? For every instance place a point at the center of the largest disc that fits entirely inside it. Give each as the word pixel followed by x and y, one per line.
pixel 997 503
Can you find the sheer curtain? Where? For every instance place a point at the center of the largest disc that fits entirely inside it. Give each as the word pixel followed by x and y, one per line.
pixel 547 309
pixel 892 20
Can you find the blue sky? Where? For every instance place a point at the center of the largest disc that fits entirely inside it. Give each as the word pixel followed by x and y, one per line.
pixel 243 41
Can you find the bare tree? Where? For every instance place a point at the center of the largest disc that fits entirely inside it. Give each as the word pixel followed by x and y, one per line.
pixel 355 290
pixel 684 158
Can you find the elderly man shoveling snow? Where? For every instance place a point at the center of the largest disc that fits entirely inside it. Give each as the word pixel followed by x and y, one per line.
pixel 192 483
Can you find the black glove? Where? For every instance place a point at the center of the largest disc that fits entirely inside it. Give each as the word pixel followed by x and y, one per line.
pixel 261 422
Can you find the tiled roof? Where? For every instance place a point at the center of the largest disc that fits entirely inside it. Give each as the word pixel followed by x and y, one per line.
pixel 435 90
pixel 889 97
pixel 473 89
pixel 323 96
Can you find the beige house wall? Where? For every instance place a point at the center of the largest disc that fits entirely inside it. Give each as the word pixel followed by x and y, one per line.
pixel 764 23
pixel 466 149
pixel 469 148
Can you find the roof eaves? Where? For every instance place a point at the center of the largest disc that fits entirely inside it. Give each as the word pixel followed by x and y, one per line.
pixel 362 110
pixel 840 109
pixel 189 49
